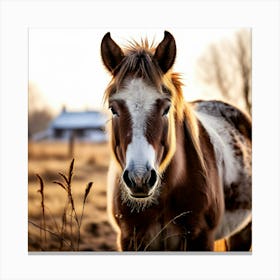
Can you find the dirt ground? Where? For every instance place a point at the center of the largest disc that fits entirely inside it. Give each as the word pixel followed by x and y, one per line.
pixel 91 164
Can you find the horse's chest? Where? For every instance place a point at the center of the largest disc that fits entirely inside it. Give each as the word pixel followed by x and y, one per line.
pixel 150 236
pixel 153 238
pixel 158 237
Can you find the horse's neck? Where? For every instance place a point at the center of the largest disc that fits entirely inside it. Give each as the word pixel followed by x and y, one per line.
pixel 176 170
pixel 186 158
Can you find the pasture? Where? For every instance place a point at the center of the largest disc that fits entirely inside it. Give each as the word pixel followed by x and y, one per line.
pixel 91 163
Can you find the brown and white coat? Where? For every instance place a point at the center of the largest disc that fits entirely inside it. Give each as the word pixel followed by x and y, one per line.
pixel 180 176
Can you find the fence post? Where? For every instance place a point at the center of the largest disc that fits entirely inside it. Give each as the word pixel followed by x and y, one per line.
pixel 71 144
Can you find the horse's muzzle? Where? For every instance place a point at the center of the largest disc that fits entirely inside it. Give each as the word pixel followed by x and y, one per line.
pixel 140 185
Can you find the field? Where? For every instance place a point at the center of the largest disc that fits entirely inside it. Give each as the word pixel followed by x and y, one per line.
pixel 60 231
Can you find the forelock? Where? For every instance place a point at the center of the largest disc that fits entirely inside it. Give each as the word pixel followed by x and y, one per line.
pixel 138 62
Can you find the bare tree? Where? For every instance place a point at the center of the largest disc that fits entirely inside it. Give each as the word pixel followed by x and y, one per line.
pixel 39 113
pixel 226 66
pixel 244 61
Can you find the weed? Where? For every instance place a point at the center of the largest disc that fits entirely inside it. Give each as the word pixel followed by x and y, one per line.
pixel 72 241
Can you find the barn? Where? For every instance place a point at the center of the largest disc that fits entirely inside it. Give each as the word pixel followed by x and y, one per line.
pixel 81 125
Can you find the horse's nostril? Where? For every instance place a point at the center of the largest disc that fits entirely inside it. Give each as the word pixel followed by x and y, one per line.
pixel 140 183
pixel 128 180
pixel 153 178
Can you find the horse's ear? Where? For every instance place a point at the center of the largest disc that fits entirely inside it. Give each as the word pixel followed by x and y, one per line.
pixel 166 52
pixel 111 53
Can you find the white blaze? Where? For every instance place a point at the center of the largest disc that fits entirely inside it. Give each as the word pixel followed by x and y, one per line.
pixel 139 98
pixel 140 153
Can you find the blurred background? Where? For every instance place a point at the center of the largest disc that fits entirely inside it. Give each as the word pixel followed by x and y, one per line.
pixel 68 119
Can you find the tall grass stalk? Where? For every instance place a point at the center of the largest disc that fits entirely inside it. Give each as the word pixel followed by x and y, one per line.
pixel 87 191
pixel 66 185
pixel 41 191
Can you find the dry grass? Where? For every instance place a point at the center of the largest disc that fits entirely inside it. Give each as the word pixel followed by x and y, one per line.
pixel 50 228
pixel 60 234
pixel 74 217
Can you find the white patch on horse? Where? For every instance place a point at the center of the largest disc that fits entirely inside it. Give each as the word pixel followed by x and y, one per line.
pixel 232 222
pixel 220 137
pixel 139 151
pixel 229 169
pixel 139 98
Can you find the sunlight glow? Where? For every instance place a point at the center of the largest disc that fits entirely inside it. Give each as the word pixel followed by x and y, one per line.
pixel 66 67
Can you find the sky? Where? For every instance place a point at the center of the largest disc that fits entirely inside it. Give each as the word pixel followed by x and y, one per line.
pixel 65 66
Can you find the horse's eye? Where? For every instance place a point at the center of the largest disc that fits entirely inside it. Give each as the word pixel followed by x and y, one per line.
pixel 114 112
pixel 165 90
pixel 166 111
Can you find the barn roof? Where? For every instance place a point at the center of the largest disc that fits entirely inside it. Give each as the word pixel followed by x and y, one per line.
pixel 82 120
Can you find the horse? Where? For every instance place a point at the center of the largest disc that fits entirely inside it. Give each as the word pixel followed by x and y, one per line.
pixel 180 174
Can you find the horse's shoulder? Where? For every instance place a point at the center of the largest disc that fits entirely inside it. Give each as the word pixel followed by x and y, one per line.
pixel 226 112
pixel 229 131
